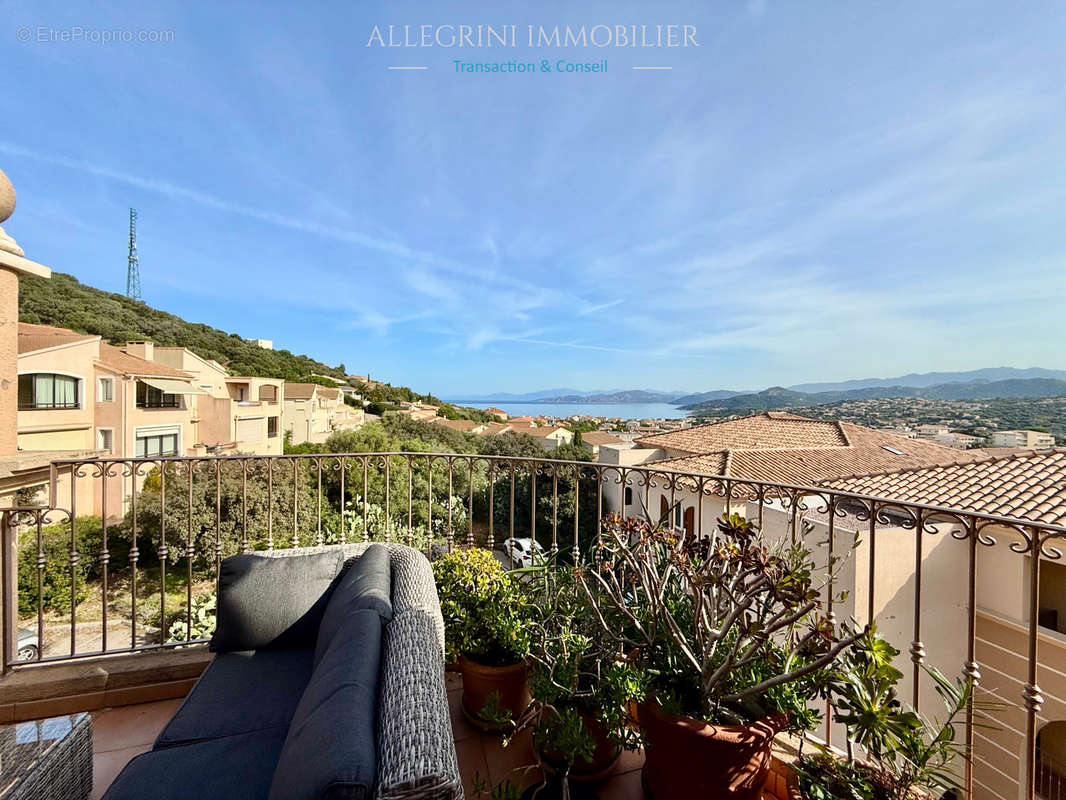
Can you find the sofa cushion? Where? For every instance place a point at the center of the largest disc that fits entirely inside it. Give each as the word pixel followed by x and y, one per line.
pixel 366 584
pixel 218 769
pixel 241 692
pixel 273 602
pixel 331 751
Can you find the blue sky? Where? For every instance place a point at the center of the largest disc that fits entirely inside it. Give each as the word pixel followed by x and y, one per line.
pixel 819 191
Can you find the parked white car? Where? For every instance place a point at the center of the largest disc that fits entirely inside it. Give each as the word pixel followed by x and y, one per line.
pixel 527 552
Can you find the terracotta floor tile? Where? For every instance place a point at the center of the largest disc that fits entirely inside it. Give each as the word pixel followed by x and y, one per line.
pixel 622 787
pixel 461 727
pixel 130 726
pixel 107 766
pixel 628 761
pixel 472 766
pixel 517 762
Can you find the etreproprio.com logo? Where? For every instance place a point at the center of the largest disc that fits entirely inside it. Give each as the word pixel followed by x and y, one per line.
pixel 46 34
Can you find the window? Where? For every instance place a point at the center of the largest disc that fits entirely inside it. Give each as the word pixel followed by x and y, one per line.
pixel 150 397
pixel 154 445
pixel 629 496
pixel 272 427
pixel 268 394
pixel 105 390
pixel 104 439
pixel 46 390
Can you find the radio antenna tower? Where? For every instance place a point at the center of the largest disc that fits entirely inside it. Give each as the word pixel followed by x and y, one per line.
pixel 133 270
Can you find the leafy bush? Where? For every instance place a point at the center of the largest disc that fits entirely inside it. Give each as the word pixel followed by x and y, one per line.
pixel 58 576
pixel 203 620
pixel 485 613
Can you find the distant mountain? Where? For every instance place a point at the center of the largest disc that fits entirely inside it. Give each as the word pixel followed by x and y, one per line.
pixel 574 396
pixel 703 397
pixel 927 379
pixel 778 397
pixel 625 396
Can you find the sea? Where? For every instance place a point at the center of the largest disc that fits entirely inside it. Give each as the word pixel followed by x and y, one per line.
pixel 623 410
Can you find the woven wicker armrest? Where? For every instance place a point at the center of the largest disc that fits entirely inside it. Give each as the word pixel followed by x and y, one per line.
pixel 416 749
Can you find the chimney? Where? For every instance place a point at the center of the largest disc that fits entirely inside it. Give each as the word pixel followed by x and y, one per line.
pixel 145 350
pixel 12 264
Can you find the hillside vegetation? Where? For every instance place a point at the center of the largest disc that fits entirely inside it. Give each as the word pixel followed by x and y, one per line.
pixel 64 302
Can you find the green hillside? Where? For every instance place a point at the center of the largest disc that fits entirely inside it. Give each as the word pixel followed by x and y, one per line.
pixel 64 302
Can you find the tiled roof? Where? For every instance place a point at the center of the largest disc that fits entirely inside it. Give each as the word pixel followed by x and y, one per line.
pixel 1029 485
pixel 300 391
pixel 464 425
pixel 40 337
pixel 770 430
pixel 771 447
pixel 539 431
pixel 596 438
pixel 116 359
pixel 496 427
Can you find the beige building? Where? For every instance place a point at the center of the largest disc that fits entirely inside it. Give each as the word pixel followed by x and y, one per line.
pixel 550 436
pixel 312 412
pixel 1032 440
pixel 596 439
pixel 423 412
pixel 462 425
pixel 240 414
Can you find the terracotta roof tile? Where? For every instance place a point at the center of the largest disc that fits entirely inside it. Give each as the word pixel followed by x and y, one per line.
pixel 464 425
pixel 114 358
pixel 597 438
pixel 786 448
pixel 770 430
pixel 300 391
pixel 1029 485
pixel 39 337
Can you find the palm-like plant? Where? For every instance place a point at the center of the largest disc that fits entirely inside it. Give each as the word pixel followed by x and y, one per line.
pixel 905 751
pixel 731 626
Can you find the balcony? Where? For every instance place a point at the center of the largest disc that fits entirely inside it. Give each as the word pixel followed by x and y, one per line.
pixel 129 589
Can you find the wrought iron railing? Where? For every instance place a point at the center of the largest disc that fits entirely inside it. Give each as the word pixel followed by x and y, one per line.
pixel 117 559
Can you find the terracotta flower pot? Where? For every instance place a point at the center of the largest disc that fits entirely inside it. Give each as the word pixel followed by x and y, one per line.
pixel 604 754
pixel 481 682
pixel 688 758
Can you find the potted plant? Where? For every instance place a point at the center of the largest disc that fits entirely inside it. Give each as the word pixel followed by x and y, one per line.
pixel 731 634
pixel 579 686
pixel 486 625
pixel 906 755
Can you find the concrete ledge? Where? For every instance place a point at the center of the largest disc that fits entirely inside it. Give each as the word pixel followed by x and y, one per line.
pixel 89 684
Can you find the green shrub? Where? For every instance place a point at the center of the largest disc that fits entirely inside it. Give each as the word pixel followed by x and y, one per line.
pixel 58 575
pixel 485 613
pixel 203 620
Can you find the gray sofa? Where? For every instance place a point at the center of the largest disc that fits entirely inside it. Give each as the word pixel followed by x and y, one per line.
pixel 328 683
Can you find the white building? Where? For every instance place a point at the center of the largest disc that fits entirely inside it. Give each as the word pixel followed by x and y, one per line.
pixel 1033 440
